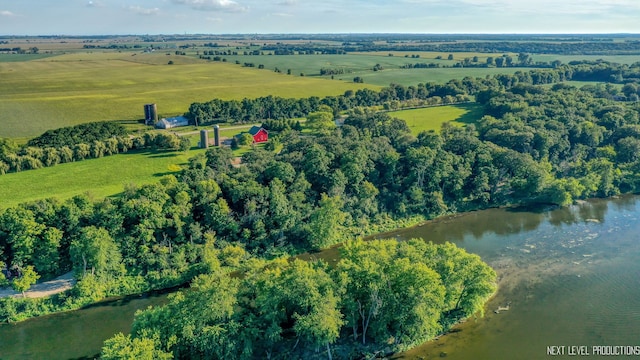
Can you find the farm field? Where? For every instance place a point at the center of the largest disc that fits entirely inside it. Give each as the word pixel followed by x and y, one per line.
pixel 431 55
pixel 432 118
pixel 409 77
pixel 361 64
pixel 71 89
pixel 311 64
pixel 620 59
pixel 101 177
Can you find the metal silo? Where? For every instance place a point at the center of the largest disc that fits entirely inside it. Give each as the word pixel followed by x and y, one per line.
pixel 150 114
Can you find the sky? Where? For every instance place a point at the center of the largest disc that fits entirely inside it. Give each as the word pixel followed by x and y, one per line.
pixel 107 17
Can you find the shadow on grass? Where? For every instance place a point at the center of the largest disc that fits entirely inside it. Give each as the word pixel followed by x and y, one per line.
pixel 473 113
pixel 161 155
pixel 161 174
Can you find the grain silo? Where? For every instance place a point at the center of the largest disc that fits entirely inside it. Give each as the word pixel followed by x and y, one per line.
pixel 204 139
pixel 150 114
pixel 216 135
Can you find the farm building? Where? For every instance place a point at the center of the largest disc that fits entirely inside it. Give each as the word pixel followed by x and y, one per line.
pixel 259 134
pixel 172 122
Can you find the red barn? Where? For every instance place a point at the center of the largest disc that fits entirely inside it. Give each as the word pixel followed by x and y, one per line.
pixel 259 134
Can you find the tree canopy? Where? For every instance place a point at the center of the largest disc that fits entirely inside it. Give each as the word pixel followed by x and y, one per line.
pixel 381 293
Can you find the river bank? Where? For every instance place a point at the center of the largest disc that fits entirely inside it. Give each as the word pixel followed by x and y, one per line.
pixel 47 288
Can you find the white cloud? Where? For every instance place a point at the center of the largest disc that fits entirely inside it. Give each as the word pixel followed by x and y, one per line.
pixel 213 5
pixel 95 3
pixel 6 13
pixel 282 14
pixel 288 3
pixel 567 7
pixel 144 11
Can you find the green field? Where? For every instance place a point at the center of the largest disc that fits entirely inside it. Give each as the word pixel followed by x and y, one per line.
pixel 76 88
pixel 361 64
pixel 432 118
pixel 620 59
pixel 102 177
pixel 311 64
pixel 426 55
pixel 580 84
pixel 408 77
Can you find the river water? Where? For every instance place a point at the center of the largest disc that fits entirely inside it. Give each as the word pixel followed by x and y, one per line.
pixel 569 277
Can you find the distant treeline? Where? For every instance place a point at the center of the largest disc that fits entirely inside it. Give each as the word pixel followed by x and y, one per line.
pixel 82 133
pixel 544 47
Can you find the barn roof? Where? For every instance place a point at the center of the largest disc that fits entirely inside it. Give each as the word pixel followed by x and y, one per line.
pixel 254 130
pixel 172 122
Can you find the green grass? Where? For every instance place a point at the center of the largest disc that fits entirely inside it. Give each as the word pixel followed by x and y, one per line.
pixel 580 84
pixel 102 177
pixel 432 118
pixel 431 55
pixel 22 57
pixel 76 88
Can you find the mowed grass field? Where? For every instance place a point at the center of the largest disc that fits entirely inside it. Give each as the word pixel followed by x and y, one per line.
pixel 82 87
pixel 432 118
pixel 101 177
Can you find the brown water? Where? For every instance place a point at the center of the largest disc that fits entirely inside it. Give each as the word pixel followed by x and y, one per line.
pixel 72 335
pixel 571 277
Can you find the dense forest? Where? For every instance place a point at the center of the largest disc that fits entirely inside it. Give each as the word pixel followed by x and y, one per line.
pixel 535 144
pixel 382 296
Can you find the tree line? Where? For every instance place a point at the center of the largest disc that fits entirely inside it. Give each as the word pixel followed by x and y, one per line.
pixel 66 145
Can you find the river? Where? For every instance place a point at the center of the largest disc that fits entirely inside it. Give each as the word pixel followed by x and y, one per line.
pixel 570 278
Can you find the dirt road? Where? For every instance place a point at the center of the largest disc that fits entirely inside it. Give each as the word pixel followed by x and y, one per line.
pixel 57 285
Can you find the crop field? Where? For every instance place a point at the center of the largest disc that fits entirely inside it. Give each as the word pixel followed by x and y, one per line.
pixel 101 177
pixel 432 118
pixel 76 88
